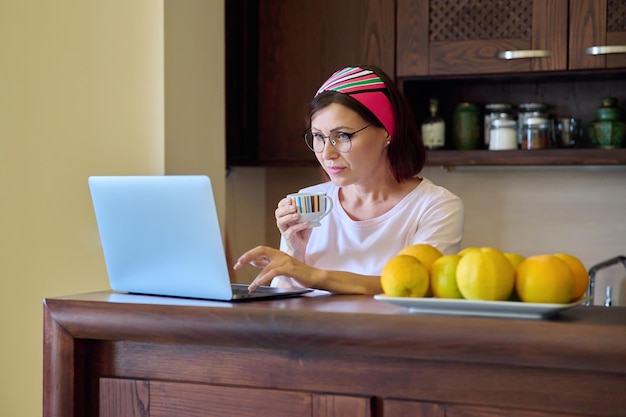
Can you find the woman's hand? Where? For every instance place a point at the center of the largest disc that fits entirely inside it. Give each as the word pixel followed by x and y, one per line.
pixel 296 235
pixel 275 263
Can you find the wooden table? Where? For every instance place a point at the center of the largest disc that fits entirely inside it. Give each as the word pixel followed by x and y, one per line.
pixel 109 354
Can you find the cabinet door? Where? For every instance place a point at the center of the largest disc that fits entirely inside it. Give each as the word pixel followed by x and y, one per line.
pixel 141 398
pixel 601 25
pixel 443 37
pixel 301 43
pixel 126 397
pixel 328 405
pixel 399 408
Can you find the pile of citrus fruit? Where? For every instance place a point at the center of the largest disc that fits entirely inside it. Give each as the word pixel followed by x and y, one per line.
pixel 484 273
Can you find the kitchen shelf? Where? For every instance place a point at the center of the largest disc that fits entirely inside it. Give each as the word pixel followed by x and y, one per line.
pixel 452 158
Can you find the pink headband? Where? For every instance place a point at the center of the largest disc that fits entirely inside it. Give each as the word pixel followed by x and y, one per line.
pixel 367 88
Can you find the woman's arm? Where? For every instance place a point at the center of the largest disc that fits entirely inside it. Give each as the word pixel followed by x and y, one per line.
pixel 275 263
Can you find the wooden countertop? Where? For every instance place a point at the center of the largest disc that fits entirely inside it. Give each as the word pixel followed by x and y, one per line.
pixel 581 338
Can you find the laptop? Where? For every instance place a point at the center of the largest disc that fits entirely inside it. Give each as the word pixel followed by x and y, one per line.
pixel 160 235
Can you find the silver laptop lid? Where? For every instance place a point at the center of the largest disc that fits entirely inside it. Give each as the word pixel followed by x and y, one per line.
pixel 160 235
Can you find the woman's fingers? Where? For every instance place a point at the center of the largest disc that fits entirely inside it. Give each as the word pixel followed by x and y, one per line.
pixel 259 256
pixel 272 261
pixel 285 214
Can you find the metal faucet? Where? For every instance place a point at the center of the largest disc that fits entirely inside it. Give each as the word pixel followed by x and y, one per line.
pixel 607 300
pixel 592 279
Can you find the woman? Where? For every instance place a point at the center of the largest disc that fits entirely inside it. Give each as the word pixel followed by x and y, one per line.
pixel 366 140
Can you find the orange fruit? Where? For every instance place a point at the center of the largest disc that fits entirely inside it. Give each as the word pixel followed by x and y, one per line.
pixel 443 277
pixel 404 276
pixel 544 279
pixel 425 253
pixel 485 274
pixel 581 276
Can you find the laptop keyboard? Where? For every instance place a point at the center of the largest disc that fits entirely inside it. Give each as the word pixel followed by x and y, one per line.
pixel 240 290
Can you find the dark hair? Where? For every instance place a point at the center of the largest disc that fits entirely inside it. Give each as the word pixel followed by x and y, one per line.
pixel 406 152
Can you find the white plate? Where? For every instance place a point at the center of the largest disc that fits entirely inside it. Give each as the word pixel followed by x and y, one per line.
pixel 456 307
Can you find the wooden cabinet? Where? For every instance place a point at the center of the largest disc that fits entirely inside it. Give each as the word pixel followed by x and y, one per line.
pixel 131 397
pixel 599 24
pixel 111 355
pixel 444 37
pixel 280 51
pixel 301 43
pixel 453 51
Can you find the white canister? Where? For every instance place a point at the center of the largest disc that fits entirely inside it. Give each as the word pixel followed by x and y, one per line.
pixel 502 134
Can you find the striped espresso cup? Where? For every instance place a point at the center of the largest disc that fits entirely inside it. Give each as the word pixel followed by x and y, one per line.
pixel 311 207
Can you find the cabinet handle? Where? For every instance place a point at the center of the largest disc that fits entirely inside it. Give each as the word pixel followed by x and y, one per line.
pixel 606 49
pixel 525 53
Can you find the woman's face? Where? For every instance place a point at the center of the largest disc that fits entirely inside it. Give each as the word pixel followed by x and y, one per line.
pixel 366 161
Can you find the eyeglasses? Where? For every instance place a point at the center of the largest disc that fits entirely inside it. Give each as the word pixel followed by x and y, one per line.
pixel 341 141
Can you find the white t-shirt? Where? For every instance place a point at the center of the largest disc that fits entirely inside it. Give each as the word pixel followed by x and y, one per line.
pixel 428 214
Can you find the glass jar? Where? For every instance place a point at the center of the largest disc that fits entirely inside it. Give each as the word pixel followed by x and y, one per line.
pixel 495 111
pixel 466 126
pixel 503 134
pixel 607 131
pixel 526 111
pixel 536 133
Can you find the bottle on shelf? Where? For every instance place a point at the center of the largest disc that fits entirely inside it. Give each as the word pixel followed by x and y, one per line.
pixel 434 128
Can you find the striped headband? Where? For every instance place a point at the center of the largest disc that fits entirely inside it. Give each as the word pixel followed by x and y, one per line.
pixel 367 88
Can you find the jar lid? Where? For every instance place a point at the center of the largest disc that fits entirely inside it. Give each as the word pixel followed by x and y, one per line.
pixel 608 102
pixel 467 106
pixel 536 122
pixel 532 106
pixel 608 110
pixel 498 107
pixel 503 123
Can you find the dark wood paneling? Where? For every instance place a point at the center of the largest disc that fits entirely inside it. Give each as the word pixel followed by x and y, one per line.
pixel 169 399
pixel 395 408
pixel 325 405
pixel 451 158
pixel 587 28
pixel 344 374
pixel 463 411
pixel 59 370
pixel 350 346
pixel 241 26
pixel 301 43
pixel 616 60
pixel 550 33
pixel 476 57
pixel 124 397
pixel 412 38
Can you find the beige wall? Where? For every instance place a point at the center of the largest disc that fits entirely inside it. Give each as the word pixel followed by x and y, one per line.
pixel 82 93
pixel 194 92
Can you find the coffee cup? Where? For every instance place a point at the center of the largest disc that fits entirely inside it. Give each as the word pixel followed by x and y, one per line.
pixel 311 207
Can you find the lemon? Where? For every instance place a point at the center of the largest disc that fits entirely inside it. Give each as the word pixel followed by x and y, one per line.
pixel 485 274
pixel 581 276
pixel 515 258
pixel 544 279
pixel 425 253
pixel 466 250
pixel 443 277
pixel 404 276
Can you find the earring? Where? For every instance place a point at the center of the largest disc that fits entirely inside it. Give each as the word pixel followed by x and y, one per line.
pixel 388 142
